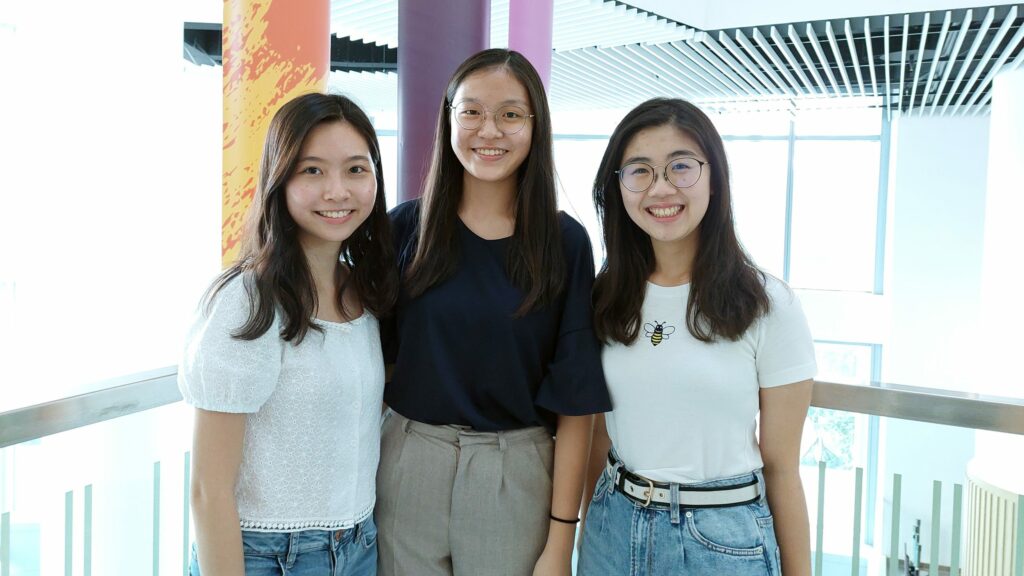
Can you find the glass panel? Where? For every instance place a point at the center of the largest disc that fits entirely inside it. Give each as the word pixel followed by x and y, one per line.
pixel 835 204
pixel 576 162
pixel 839 122
pixel 758 170
pixel 117 459
pixel 111 195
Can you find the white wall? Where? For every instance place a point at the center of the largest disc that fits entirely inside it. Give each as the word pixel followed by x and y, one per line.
pixel 933 288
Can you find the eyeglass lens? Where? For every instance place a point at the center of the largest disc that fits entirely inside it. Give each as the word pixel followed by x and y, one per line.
pixel 509 119
pixel 681 173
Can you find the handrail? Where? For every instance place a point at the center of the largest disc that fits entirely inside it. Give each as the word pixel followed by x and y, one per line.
pixel 159 387
pixel 144 391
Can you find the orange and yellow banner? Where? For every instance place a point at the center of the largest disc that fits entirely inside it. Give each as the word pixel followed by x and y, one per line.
pixel 273 51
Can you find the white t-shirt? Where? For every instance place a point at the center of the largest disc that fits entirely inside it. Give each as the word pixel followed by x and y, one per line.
pixel 312 435
pixel 684 410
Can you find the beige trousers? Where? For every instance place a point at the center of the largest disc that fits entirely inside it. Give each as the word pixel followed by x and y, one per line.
pixel 454 501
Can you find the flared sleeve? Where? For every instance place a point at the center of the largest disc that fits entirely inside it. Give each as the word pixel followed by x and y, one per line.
pixel 574 383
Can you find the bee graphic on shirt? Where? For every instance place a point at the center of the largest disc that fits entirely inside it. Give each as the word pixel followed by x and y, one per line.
pixel 658 331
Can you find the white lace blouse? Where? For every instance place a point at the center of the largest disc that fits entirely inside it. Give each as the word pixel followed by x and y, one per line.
pixel 312 435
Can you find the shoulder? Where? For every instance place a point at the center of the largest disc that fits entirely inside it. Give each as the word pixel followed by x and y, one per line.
pixel 574 235
pixel 405 213
pixel 779 293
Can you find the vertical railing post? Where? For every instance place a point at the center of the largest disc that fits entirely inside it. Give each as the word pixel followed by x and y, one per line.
pixel 933 557
pixel 819 554
pixel 954 553
pixel 1018 555
pixel 5 544
pixel 87 532
pixel 186 528
pixel 69 517
pixel 156 519
pixel 894 537
pixel 858 488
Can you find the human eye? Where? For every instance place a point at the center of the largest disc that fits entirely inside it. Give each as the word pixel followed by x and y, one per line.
pixel 359 170
pixel 637 169
pixel 311 170
pixel 467 111
pixel 683 164
pixel 511 113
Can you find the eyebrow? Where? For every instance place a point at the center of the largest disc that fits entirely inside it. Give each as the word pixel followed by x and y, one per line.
pixel 319 159
pixel 515 101
pixel 675 154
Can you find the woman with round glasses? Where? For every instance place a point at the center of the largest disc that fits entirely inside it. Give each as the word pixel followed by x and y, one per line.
pixel 492 345
pixel 698 340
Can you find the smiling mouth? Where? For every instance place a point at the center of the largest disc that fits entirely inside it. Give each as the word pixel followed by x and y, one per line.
pixel 665 212
pixel 334 213
pixel 490 151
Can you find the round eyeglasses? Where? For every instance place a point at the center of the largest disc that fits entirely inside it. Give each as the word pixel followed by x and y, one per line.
pixel 680 172
pixel 508 119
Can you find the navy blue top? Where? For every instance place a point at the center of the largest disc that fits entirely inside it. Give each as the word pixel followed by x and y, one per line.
pixel 462 357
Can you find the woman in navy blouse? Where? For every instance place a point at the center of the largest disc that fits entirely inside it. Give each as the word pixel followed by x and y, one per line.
pixel 492 344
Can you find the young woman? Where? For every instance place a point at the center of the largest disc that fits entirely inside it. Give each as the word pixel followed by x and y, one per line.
pixel 697 341
pixel 493 346
pixel 283 363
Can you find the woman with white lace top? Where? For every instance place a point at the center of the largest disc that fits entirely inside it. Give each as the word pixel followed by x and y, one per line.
pixel 283 361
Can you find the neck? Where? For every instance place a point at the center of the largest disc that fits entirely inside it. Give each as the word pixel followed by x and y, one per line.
pixel 673 262
pixel 322 258
pixel 487 199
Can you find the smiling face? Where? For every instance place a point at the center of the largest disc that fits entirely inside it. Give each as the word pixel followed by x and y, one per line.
pixel 669 215
pixel 487 153
pixel 332 189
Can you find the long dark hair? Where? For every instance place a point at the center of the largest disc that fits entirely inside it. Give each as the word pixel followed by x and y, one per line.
pixel 272 263
pixel 727 291
pixel 536 263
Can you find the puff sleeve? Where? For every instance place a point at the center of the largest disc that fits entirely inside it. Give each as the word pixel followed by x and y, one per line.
pixel 574 384
pixel 221 373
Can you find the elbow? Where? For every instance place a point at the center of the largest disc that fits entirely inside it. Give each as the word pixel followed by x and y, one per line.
pixel 207 497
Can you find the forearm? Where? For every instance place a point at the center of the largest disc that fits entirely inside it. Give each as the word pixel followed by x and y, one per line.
pixel 599 446
pixel 218 536
pixel 792 529
pixel 572 447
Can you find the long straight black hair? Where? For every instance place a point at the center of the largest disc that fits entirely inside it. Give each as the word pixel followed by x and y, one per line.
pixel 536 263
pixel 272 263
pixel 727 291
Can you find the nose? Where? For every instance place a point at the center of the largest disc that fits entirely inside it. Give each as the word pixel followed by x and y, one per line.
pixel 661 186
pixel 336 189
pixel 489 127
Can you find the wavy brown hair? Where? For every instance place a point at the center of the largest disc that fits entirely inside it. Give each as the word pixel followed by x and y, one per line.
pixel 536 262
pixel 727 291
pixel 272 264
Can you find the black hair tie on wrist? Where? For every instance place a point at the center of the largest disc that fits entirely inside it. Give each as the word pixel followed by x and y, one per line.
pixel 557 519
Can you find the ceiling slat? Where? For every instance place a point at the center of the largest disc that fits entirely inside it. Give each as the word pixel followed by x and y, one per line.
pixel 871 56
pixel 798 43
pixel 738 53
pixel 756 55
pixel 978 40
pixel 853 55
pixel 678 66
pixel 997 66
pixel 763 43
pixel 780 42
pixel 725 56
pixel 903 59
pixel 688 54
pixel 920 59
pixel 951 64
pixel 888 90
pixel 824 60
pixel 839 56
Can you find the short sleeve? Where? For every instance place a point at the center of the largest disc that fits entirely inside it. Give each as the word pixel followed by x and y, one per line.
pixel 221 373
pixel 574 384
pixel 785 349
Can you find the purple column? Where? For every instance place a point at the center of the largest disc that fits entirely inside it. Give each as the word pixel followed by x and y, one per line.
pixel 434 37
pixel 529 32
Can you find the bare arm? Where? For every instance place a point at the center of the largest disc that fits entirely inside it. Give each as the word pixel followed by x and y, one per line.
pixel 216 456
pixel 599 446
pixel 783 411
pixel 572 446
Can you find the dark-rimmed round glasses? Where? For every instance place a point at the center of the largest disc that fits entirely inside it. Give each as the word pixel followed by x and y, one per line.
pixel 681 172
pixel 508 119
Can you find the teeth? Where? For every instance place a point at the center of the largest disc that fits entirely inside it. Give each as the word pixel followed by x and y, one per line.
pixel 334 213
pixel 489 151
pixel 665 212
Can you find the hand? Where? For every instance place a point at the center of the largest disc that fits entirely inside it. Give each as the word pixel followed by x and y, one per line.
pixel 553 563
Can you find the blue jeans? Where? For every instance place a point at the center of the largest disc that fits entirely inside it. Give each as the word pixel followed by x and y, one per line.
pixel 351 552
pixel 622 538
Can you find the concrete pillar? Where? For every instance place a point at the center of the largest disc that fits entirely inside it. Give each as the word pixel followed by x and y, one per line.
pixel 529 32
pixel 433 39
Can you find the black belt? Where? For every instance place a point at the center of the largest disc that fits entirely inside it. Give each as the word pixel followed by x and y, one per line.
pixel 651 494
